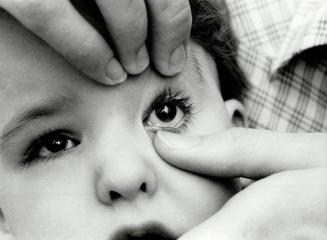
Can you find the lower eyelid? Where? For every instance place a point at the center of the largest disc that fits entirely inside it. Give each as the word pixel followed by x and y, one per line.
pixel 28 162
pixel 155 129
pixel 182 125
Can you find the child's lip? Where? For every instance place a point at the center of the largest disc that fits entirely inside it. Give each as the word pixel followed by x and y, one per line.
pixel 150 231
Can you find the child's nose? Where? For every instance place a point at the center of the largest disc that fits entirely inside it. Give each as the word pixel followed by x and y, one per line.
pixel 124 175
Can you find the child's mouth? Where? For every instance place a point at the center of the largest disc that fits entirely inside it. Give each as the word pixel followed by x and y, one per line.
pixel 145 232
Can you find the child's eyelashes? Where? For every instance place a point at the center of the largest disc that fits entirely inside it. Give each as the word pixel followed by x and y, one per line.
pixel 171 111
pixel 49 145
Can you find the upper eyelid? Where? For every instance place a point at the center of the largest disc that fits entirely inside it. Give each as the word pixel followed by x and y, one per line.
pixel 162 95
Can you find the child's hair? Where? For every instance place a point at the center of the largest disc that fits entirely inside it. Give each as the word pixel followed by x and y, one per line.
pixel 210 28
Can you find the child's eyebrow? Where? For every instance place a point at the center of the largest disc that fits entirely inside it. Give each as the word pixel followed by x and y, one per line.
pixel 47 109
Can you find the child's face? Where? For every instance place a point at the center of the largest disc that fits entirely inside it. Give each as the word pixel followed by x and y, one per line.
pixel 76 158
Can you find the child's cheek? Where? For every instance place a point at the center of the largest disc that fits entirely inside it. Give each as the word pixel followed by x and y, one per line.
pixel 46 195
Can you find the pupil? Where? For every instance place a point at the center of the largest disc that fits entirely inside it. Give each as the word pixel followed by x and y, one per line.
pixel 56 145
pixel 166 112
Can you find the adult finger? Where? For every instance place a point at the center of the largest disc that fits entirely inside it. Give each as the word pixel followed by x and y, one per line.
pixel 60 25
pixel 277 207
pixel 171 23
pixel 242 152
pixel 127 24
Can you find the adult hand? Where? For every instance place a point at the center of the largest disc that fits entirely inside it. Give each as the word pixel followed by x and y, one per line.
pixel 59 24
pixel 289 198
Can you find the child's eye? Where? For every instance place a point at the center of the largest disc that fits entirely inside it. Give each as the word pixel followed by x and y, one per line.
pixel 169 111
pixel 55 145
pixel 166 115
pixel 48 146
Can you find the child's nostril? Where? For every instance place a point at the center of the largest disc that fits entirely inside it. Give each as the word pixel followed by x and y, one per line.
pixel 114 195
pixel 143 187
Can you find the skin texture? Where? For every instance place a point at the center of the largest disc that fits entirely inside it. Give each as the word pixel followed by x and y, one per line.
pixel 62 27
pixel 249 153
pixel 288 200
pixel 68 196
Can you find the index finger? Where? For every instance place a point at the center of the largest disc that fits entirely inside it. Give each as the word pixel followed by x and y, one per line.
pixel 242 152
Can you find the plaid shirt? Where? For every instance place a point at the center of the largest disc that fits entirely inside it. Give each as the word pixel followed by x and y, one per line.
pixel 283 52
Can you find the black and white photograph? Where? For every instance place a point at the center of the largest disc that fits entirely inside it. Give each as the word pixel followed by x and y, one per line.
pixel 163 119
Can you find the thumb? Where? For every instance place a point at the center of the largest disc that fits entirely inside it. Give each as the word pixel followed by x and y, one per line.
pixel 277 207
pixel 239 152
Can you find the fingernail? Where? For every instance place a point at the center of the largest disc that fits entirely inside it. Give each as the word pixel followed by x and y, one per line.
pixel 178 141
pixel 115 73
pixel 177 59
pixel 142 59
